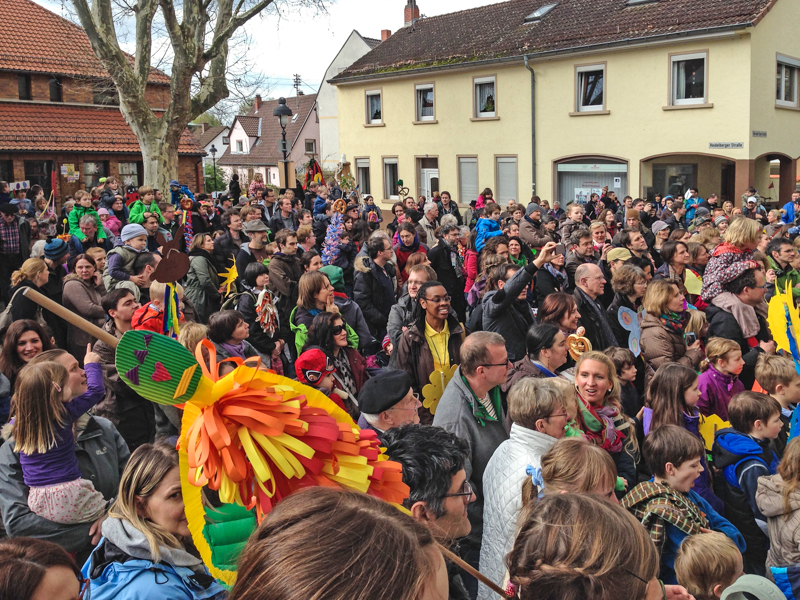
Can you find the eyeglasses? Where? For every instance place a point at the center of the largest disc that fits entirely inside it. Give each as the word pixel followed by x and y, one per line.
pixel 86 589
pixel 466 491
pixel 337 329
pixel 564 414
pixel 414 407
pixel 505 364
pixel 661 583
pixel 437 300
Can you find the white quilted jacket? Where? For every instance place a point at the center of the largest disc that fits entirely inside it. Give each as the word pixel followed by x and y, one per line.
pixel 502 489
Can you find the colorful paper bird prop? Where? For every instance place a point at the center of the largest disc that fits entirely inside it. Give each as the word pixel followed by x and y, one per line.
pixel 252 435
pixel 230 276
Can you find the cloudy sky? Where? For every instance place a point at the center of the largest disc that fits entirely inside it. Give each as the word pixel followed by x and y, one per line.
pixel 304 42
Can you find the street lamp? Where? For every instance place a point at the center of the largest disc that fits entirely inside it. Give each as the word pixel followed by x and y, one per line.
pixel 213 151
pixel 283 113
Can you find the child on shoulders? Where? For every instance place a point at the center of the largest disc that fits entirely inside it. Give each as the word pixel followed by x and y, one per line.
pixel 488 225
pixel 667 505
pixel 778 377
pixel 131 242
pixel 83 206
pixel 742 455
pixel 145 204
pixel 719 381
pixel 150 317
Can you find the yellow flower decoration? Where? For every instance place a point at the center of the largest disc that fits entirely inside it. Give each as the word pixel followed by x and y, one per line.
pixel 432 392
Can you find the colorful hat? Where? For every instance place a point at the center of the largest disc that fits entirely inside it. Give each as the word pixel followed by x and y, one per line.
pixel 313 365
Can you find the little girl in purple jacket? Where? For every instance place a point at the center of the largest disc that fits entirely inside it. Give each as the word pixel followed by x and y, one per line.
pixel 719 381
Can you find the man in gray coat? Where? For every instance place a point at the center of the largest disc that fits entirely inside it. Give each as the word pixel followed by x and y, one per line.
pixel 470 408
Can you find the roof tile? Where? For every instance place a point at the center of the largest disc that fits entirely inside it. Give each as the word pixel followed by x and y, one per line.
pixel 209 134
pixel 65 128
pixel 499 30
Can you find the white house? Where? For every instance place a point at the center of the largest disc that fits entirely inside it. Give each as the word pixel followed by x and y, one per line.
pixel 212 136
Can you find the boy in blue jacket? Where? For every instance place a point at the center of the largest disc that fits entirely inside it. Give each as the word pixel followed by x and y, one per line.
pixel 488 225
pixel 666 505
pixel 742 453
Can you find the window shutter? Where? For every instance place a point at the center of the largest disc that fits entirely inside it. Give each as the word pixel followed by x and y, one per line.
pixel 468 180
pixel 506 179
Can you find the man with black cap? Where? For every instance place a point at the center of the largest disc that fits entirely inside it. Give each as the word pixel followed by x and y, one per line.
pixel 15 242
pixel 530 228
pixel 386 401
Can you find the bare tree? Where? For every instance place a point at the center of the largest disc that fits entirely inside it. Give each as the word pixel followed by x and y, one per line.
pixel 199 33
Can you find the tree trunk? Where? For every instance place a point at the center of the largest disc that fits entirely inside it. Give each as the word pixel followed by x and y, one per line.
pixel 160 159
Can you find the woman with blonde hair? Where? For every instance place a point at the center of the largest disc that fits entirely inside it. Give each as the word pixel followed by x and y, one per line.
pixel 32 274
pixel 732 257
pixel 662 337
pixel 146 531
pixel 577 546
pixel 290 555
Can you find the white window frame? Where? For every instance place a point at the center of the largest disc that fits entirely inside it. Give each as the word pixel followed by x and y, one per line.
pixel 579 71
pixel 418 108
pixel 787 62
pixel 475 92
pixel 313 146
pixel 364 183
pixel 389 187
pixel 369 94
pixel 239 147
pixel 674 60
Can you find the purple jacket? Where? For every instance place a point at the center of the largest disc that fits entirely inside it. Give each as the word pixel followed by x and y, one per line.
pixel 716 391
pixel 60 464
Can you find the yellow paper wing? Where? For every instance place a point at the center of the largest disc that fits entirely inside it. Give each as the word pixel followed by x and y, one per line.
pixel 692 282
pixel 776 319
pixel 432 393
pixel 708 428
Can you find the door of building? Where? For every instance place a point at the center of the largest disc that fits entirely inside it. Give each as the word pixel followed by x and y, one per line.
pixel 430 182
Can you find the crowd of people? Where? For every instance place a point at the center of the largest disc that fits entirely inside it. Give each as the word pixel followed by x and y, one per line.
pixel 546 378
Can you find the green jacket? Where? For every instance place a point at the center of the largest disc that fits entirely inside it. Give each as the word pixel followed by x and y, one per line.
pixel 301 334
pixel 75 216
pixel 137 210
pixel 790 276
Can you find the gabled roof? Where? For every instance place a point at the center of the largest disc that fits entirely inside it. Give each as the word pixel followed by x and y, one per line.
pixel 265 149
pixel 210 134
pixel 65 128
pixel 52 44
pixel 371 42
pixel 499 31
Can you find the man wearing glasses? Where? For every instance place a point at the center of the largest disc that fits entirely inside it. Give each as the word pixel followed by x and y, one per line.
pixel 387 401
pixel 433 468
pixel 470 408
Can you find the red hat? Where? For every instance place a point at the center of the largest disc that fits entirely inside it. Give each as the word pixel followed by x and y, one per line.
pixel 312 366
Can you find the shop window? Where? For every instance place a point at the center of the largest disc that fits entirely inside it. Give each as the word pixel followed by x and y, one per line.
pixel 93 172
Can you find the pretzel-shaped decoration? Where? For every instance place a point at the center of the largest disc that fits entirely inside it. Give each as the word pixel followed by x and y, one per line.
pixel 339 206
pixel 578 344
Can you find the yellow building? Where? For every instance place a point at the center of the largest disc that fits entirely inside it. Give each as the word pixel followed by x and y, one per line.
pixel 561 97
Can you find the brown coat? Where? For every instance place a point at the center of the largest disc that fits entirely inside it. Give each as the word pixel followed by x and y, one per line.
pixel 784 526
pixel 519 370
pixel 661 346
pixel 415 357
pixel 84 300
pixel 533 234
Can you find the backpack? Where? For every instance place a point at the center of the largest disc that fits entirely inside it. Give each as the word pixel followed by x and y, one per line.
pixel 232 301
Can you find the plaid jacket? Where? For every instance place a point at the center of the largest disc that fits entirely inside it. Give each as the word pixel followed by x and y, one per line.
pixel 656 504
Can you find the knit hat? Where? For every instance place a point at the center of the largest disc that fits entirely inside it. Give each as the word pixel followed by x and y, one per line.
pixel 632 213
pixel 618 254
pixel 132 230
pixel 386 341
pixel 56 248
pixel 313 365
pixel 383 391
pixel 336 277
pixel 701 212
pixel 102 211
pixel 720 220
pixel 174 183
pixel 658 226
pixel 532 208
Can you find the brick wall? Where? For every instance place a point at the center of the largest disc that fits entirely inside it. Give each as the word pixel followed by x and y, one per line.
pixel 8 85
pixel 40 87
pixel 157 96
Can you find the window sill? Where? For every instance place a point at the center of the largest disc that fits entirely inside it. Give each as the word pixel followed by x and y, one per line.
pixel 475 119
pixel 433 122
pixel 374 124
pixel 688 106
pixel 784 107
pixel 589 113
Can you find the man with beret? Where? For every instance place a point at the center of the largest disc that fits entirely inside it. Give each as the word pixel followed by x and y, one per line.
pixel 15 242
pixel 386 401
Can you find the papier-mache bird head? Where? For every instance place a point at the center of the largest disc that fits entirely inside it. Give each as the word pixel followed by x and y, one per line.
pixel 251 435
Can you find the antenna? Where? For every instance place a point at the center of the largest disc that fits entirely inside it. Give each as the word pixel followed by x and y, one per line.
pixel 296 85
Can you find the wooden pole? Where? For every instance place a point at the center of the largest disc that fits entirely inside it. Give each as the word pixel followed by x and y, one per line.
pixel 70 317
pixel 454 558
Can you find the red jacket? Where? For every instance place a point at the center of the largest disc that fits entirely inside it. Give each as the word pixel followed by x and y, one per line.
pixel 151 318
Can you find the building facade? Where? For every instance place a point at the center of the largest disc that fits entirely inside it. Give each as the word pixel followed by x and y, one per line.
pixel 639 102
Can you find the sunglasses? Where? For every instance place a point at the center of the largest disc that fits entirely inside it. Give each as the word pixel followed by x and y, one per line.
pixel 337 329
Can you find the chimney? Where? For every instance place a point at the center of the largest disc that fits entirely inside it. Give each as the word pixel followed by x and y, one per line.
pixel 257 103
pixel 385 34
pixel 301 93
pixel 411 13
pixel 203 127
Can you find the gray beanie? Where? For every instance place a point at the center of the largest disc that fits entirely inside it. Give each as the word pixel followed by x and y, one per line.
pixel 658 226
pixel 532 208
pixel 132 230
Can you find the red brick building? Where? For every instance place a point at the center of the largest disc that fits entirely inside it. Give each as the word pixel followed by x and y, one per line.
pixel 58 109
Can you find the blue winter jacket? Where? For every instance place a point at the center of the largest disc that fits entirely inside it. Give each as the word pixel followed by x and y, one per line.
pixel 486 229
pixel 675 537
pixel 319 206
pixel 788 215
pixel 137 579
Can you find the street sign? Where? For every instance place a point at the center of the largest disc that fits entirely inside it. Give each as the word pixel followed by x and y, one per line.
pixel 283 146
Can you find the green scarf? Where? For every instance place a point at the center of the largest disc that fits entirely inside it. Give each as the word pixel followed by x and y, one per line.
pixel 481 414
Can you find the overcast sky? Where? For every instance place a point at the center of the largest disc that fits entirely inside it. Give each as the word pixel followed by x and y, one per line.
pixel 304 43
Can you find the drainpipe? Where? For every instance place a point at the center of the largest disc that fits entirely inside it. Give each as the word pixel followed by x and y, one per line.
pixel 533 125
